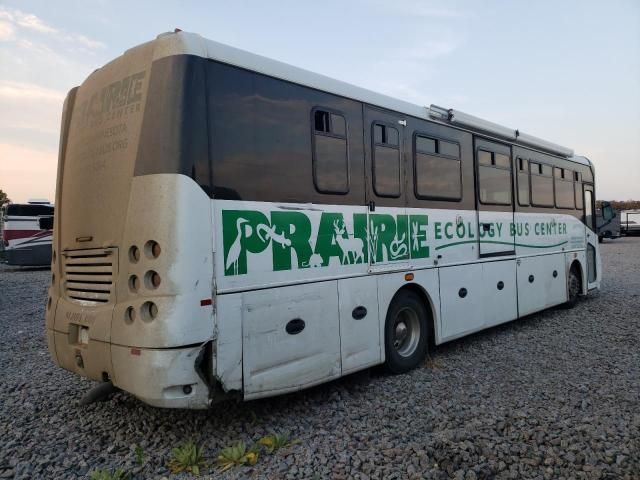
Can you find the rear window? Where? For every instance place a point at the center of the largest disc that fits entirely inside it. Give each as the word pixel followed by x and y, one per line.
pixel 29 210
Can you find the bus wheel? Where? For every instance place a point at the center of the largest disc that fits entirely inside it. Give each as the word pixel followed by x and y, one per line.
pixel 406 331
pixel 573 287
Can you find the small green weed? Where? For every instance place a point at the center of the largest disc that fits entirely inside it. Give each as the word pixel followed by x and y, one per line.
pixel 139 453
pixel 109 475
pixel 237 454
pixel 275 441
pixel 186 458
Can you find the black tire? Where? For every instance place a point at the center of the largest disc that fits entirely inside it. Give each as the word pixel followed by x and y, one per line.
pixel 406 353
pixel 600 239
pixel 574 287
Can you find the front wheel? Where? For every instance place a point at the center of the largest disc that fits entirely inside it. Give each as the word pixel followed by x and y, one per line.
pixel 406 332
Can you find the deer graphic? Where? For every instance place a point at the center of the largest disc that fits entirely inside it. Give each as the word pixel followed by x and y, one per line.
pixel 348 245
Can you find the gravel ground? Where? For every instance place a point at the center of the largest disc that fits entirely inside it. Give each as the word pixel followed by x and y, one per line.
pixel 556 395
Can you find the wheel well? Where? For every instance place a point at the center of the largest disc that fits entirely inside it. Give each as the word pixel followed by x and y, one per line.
pixel 417 289
pixel 577 267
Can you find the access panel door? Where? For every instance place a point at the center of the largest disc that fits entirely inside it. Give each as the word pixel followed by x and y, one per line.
pixel 542 282
pixel 387 222
pixel 499 292
pixel 290 338
pixel 359 324
pixel 494 198
pixel 461 299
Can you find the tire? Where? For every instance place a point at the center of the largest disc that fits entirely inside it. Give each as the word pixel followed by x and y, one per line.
pixel 406 337
pixel 574 287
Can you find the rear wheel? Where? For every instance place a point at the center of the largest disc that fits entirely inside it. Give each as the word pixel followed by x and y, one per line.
pixel 406 332
pixel 574 287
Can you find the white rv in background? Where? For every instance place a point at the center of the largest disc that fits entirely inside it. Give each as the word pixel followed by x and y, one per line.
pixel 630 222
pixel 25 242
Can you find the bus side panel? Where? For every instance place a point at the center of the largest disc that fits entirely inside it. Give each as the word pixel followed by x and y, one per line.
pixel 290 338
pixel 229 341
pixel 462 297
pixel 542 283
pixel 500 297
pixel 359 331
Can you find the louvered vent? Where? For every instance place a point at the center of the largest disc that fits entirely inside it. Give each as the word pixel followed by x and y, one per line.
pixel 89 275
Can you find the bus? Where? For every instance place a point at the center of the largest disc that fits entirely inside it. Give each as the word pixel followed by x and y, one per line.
pixel 232 225
pixel 24 241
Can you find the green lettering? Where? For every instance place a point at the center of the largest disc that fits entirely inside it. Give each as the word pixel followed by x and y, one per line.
pixel 292 231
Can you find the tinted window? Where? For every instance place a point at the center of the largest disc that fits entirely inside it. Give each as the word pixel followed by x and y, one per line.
pixel 321 120
pixel 577 187
pixel 500 160
pixel 495 185
pixel 565 196
pixel 386 161
pixel 484 158
pixel 330 158
pixel 29 210
pixel 541 185
pixel 437 169
pixel 494 178
pixel 588 209
pixel 425 144
pixel 523 182
pixel 448 148
pixel 387 171
pixel 437 177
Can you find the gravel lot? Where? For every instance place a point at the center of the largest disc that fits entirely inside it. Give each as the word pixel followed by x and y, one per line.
pixel 556 395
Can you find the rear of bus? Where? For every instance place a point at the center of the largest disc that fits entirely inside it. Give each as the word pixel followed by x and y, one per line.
pixel 132 267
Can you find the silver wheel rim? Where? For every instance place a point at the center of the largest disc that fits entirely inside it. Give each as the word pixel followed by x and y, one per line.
pixel 406 332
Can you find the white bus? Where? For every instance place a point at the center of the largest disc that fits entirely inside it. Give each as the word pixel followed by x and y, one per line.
pixel 229 224
pixel 24 241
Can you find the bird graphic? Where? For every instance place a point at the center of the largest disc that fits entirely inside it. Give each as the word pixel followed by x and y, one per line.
pixel 234 251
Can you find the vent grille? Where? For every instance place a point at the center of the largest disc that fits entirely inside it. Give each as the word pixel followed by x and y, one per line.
pixel 89 275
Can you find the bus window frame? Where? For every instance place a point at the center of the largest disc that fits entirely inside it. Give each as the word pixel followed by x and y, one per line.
pixel 415 152
pixel 315 132
pixel 397 147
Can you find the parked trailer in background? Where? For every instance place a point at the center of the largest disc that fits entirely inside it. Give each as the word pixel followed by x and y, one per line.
pixel 232 224
pixel 630 222
pixel 25 242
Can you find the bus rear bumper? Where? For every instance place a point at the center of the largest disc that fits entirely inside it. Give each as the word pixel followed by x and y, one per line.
pixel 166 378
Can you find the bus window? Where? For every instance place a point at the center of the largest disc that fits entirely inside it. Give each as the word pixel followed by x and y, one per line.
pixel 523 182
pixel 437 169
pixel 541 185
pixel 386 160
pixel 563 185
pixel 330 152
pixel 577 187
pixel 494 178
pixel 588 209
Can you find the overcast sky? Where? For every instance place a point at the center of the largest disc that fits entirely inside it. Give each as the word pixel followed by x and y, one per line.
pixel 566 71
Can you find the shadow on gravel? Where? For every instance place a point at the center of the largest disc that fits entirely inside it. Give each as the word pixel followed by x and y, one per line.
pixel 17 269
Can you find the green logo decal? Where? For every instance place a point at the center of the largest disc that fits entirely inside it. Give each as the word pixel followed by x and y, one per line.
pixel 292 242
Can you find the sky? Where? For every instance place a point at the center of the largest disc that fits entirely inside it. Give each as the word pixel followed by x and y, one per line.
pixel 566 71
